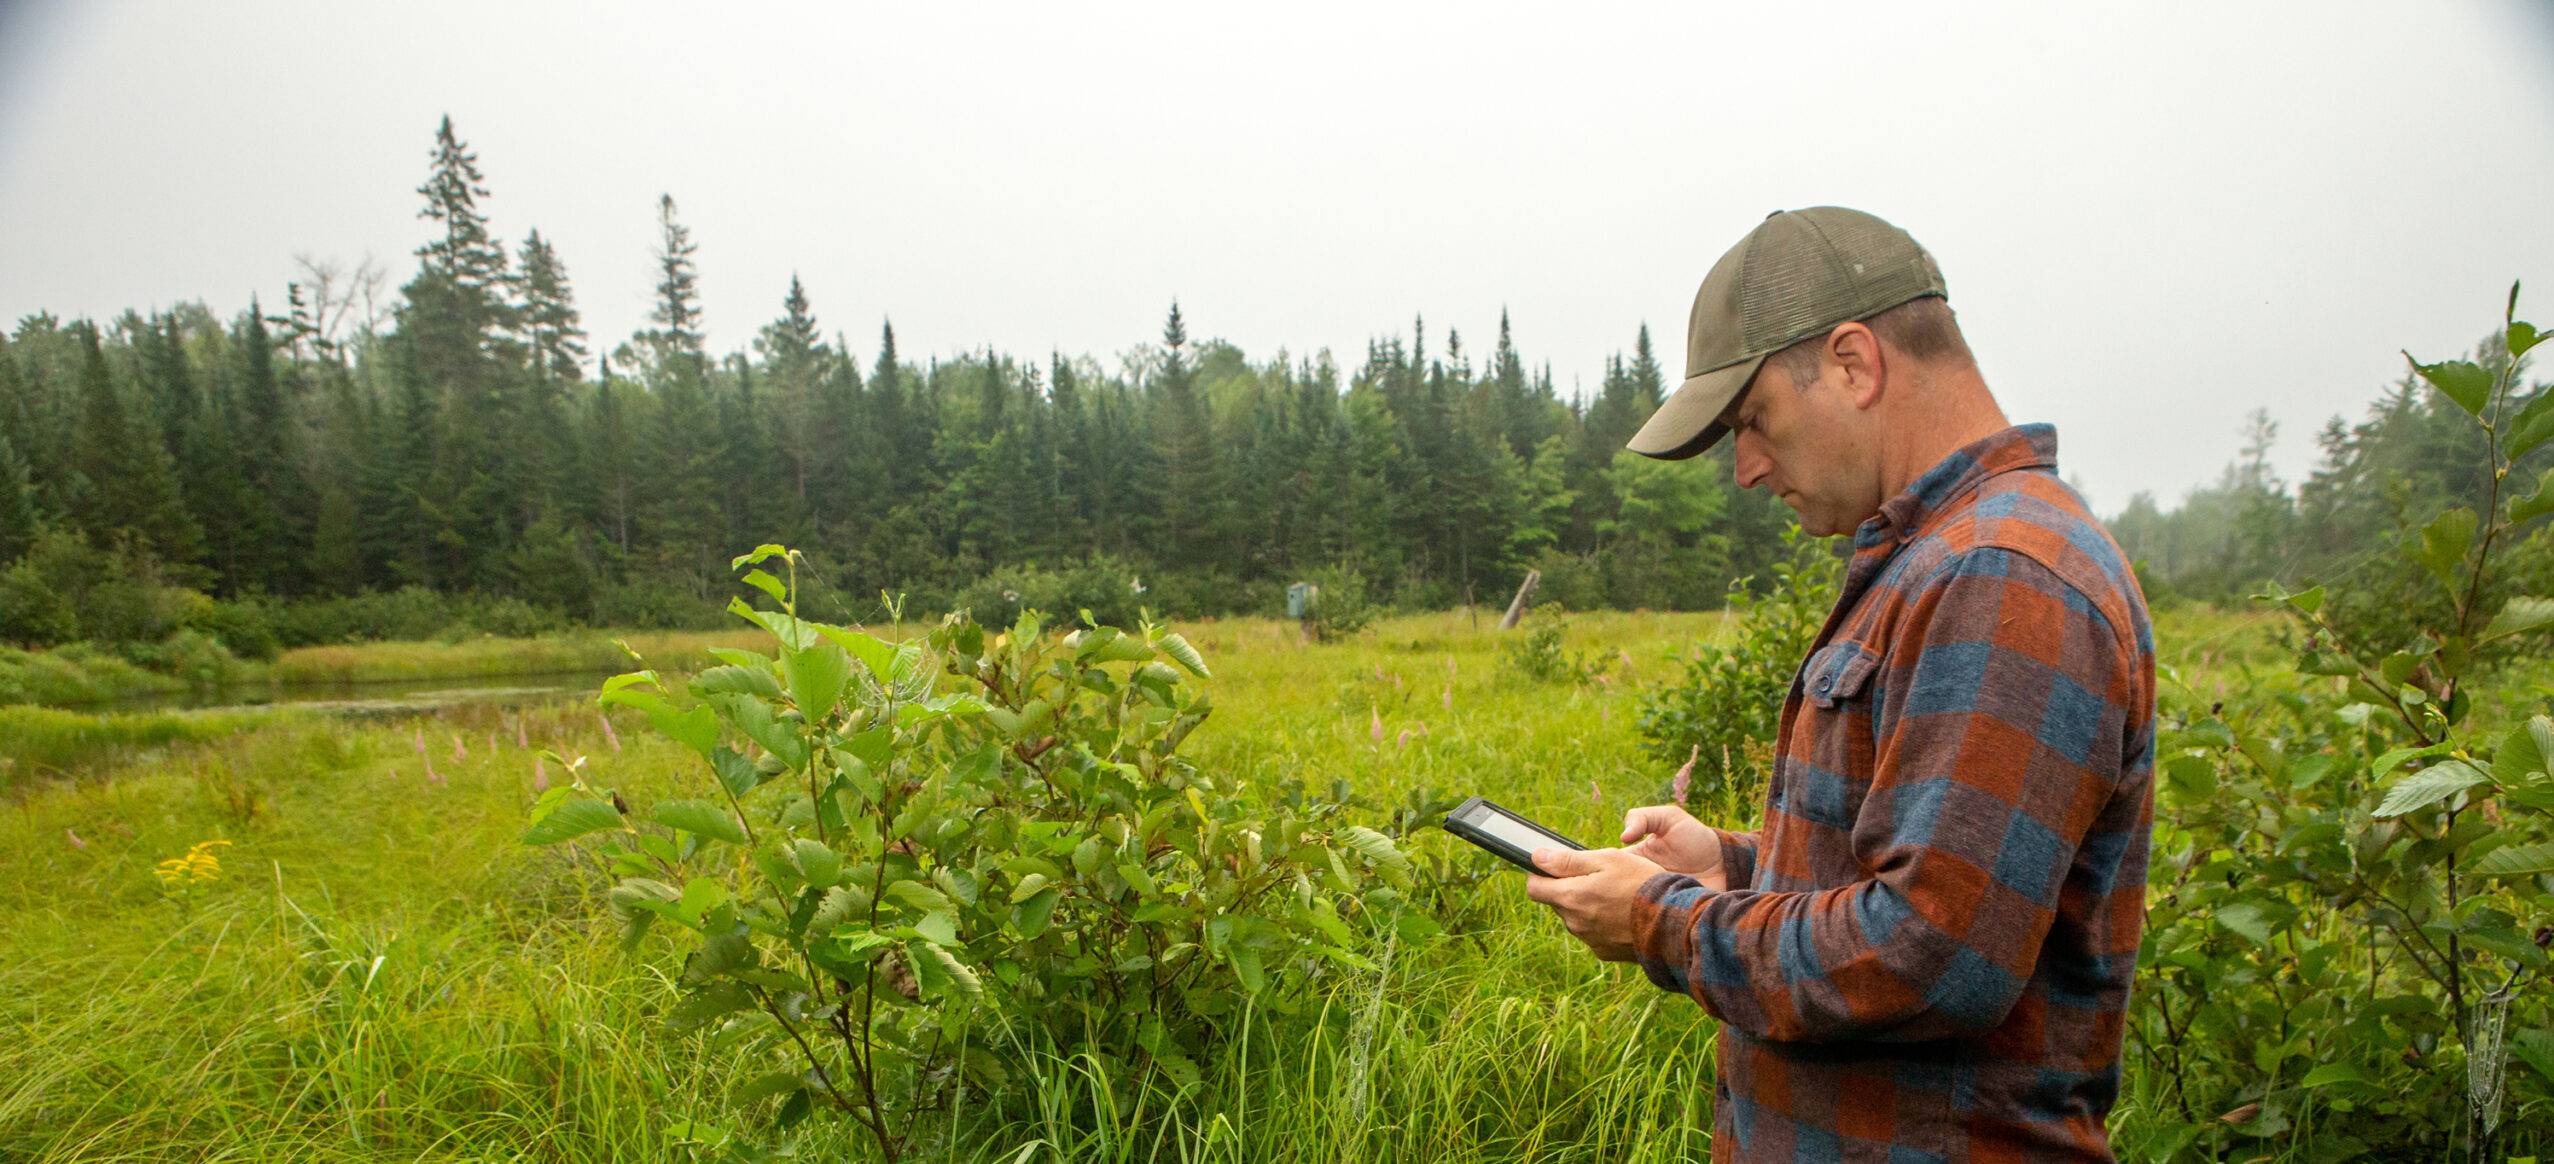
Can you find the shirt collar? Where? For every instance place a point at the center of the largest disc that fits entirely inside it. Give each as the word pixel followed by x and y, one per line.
pixel 2026 446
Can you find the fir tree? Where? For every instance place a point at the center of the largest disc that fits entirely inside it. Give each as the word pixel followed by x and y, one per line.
pixel 552 329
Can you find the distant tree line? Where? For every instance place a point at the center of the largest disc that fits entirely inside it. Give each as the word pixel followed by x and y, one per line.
pixel 463 440
pixel 366 463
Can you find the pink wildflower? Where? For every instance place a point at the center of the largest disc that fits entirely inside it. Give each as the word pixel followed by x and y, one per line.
pixel 1684 781
pixel 1375 732
pixel 1595 795
pixel 75 840
pixel 521 740
pixel 540 775
pixel 460 751
pixel 1404 741
pixel 608 733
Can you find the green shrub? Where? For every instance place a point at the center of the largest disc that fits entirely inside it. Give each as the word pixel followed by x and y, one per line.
pixel 1340 606
pixel 1722 711
pixel 245 625
pixel 2353 871
pixel 1101 585
pixel 1534 649
pixel 914 862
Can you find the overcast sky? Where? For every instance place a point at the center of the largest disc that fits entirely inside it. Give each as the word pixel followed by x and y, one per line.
pixel 2153 218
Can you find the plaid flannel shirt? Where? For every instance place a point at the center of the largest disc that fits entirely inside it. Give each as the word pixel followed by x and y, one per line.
pixel 1926 952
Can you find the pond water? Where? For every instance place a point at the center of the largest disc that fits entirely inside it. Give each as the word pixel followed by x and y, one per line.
pixel 390 698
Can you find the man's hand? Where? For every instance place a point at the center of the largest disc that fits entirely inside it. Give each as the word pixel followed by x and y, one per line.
pixel 1593 891
pixel 1671 837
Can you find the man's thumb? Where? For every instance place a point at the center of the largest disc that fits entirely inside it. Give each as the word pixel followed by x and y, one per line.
pixel 1563 862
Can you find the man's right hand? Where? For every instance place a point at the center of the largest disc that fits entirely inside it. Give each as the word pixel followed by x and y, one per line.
pixel 1676 842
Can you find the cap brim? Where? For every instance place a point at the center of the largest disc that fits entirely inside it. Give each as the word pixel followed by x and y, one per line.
pixel 1689 423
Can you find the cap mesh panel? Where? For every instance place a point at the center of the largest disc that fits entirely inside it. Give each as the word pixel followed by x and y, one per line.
pixel 1789 286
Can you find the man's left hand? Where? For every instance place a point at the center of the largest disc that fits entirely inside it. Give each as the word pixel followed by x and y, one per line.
pixel 1593 891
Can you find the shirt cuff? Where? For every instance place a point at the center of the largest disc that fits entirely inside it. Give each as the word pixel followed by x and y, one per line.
pixel 1663 929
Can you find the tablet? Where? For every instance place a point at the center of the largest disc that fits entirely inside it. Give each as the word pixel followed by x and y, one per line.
pixel 1512 837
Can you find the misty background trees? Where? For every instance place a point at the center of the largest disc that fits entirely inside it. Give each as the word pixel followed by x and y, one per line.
pixel 360 461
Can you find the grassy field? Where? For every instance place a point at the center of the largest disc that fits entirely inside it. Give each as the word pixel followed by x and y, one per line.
pixel 382 972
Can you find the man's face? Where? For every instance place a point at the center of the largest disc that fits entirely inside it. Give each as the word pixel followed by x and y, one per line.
pixel 1800 441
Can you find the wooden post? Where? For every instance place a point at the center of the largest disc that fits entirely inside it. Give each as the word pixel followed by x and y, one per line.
pixel 1516 608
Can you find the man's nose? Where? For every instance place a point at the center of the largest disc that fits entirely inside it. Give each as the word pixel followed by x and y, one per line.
pixel 1748 464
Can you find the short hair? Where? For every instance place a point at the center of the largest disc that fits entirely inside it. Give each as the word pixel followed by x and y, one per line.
pixel 1923 328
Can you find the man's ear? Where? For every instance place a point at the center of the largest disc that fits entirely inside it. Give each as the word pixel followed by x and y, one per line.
pixel 1856 354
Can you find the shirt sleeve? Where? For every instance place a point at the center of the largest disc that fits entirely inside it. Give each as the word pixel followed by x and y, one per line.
pixel 1737 858
pixel 2000 728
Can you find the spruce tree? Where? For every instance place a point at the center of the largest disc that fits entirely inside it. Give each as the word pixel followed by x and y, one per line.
pixel 552 329
pixel 19 518
pixel 127 484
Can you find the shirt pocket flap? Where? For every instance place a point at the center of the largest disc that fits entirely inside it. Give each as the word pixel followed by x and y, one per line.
pixel 1837 672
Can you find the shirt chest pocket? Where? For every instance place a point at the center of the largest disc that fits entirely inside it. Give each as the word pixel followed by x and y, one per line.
pixel 1837 673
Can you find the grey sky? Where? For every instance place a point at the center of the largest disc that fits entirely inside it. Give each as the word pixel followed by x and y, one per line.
pixel 2154 218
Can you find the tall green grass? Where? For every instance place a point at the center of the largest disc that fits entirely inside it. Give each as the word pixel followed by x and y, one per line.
pixel 384 973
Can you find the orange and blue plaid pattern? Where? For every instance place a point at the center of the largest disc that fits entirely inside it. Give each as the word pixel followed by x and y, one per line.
pixel 1926 952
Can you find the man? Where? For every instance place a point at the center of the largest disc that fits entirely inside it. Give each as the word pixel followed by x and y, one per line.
pixel 1926 952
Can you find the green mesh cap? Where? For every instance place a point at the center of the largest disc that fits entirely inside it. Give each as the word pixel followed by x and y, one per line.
pixel 1797 275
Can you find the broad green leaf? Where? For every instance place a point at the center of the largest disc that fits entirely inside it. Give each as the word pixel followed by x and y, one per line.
pixel 2533 426
pixel 2257 920
pixel 817 862
pixel 2524 752
pixel 753 717
pixel 2517 861
pixel 817 676
pixel 759 554
pixel 701 817
pixel 1375 847
pixel 2541 502
pixel 735 773
pixel 2395 759
pixel 1028 887
pixel 1185 655
pixel 878 655
pixel 2429 786
pixel 572 818
pixel 767 584
pixel 940 926
pixel 1109 645
pixel 732 680
pixel 2309 600
pixel 921 895
pixel 2335 1073
pixel 2444 542
pixel 2459 380
pixel 2522 615
pixel 709 1002
pixel 631 679
pixel 738 658
pixel 2523 335
pixel 954 973
pixel 839 905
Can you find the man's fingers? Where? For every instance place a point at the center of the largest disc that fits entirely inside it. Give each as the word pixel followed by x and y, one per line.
pixel 1648 821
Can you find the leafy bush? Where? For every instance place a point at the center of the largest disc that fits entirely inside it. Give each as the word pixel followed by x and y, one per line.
pixel 1102 585
pixel 1340 606
pixel 894 888
pixel 1538 655
pixel 2353 878
pixel 245 626
pixel 1724 708
pixel 643 603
